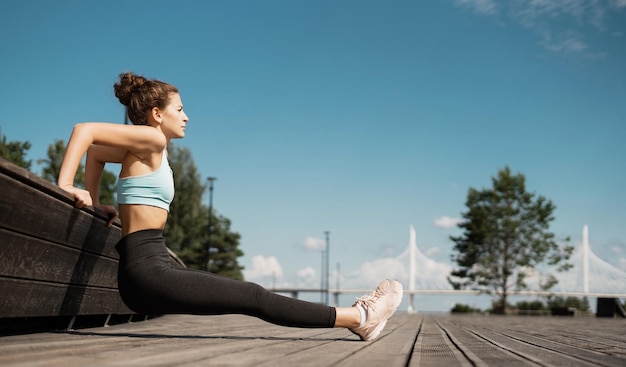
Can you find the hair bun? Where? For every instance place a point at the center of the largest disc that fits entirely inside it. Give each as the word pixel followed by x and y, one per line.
pixel 128 83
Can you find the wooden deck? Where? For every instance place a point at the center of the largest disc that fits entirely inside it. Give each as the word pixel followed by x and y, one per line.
pixel 408 340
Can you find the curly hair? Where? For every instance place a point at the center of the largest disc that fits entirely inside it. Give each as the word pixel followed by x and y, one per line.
pixel 140 95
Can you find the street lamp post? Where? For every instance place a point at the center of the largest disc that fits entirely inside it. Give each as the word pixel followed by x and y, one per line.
pixel 322 273
pixel 327 267
pixel 209 228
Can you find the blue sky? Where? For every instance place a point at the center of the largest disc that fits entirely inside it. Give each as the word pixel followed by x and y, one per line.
pixel 356 117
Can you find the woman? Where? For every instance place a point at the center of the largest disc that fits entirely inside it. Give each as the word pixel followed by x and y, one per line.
pixel 147 282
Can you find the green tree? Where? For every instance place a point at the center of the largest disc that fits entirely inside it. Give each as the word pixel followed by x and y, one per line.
pixel 15 152
pixel 225 250
pixel 52 164
pixel 505 236
pixel 535 305
pixel 461 308
pixel 107 190
pixel 52 167
pixel 581 304
pixel 186 231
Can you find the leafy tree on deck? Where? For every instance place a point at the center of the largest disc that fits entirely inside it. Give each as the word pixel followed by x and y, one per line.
pixel 52 164
pixel 505 235
pixel 225 249
pixel 52 167
pixel 186 231
pixel 15 152
pixel 107 192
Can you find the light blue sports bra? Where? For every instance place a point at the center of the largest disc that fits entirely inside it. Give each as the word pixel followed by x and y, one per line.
pixel 154 188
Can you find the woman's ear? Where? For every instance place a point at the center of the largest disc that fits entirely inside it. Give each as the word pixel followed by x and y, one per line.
pixel 156 114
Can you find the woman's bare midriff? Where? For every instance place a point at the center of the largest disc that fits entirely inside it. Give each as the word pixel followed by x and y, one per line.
pixel 136 217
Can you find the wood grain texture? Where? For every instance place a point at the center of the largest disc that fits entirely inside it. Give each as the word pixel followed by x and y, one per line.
pixel 55 259
pixel 408 340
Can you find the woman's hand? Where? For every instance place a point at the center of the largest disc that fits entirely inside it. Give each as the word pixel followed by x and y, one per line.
pixel 82 197
pixel 110 211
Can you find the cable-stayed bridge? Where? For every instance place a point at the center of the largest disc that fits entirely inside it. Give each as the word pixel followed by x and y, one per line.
pixel 589 277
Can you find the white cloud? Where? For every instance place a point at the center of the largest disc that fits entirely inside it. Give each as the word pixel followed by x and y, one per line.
pixel 263 268
pixel 484 7
pixel 562 26
pixel 446 222
pixel 314 244
pixel 432 251
pixel 308 275
pixel 532 12
pixel 431 274
pixel 370 274
pixel 568 42
pixel 622 263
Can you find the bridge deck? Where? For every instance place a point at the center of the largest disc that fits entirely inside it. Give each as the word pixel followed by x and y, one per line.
pixel 409 340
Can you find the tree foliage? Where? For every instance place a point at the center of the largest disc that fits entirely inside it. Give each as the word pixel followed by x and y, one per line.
pixel 581 304
pixel 186 231
pixel 15 152
pixel 107 191
pixel 52 164
pixel 505 237
pixel 225 249
pixel 461 308
pixel 52 167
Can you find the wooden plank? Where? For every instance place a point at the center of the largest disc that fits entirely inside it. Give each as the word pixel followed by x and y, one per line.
pixel 464 349
pixel 26 298
pixel 478 351
pixel 172 340
pixel 513 335
pixel 26 210
pixel 32 258
pixel 261 344
pixel 434 348
pixel 392 348
pixel 23 175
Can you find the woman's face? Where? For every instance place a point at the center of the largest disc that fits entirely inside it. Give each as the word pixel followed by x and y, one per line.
pixel 174 120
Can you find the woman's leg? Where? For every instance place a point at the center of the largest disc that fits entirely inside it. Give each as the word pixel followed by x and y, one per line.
pixel 348 317
pixel 148 283
pixel 162 290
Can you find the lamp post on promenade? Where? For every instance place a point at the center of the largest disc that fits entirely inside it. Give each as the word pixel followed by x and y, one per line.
pixel 322 273
pixel 327 268
pixel 209 228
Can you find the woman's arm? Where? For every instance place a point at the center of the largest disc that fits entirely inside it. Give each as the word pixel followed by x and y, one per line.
pixel 139 139
pixel 97 157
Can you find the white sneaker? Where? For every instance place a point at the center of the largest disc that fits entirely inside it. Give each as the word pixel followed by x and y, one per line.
pixel 380 305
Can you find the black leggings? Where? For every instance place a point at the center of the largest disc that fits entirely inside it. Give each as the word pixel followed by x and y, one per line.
pixel 150 283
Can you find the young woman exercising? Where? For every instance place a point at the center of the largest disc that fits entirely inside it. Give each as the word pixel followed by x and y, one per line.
pixel 147 282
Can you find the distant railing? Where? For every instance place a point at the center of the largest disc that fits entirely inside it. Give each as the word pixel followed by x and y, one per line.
pixel 294 292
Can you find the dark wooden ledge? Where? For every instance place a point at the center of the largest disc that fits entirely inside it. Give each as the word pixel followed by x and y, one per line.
pixel 57 262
